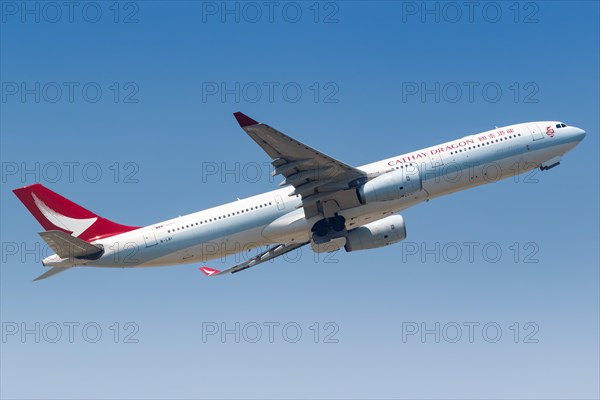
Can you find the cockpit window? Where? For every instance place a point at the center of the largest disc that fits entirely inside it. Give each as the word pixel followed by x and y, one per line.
pixel 558 125
pixel 563 125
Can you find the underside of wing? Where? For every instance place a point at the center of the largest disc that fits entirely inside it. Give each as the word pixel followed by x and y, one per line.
pixel 269 254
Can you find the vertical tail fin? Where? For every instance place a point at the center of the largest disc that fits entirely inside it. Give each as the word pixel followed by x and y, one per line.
pixel 54 212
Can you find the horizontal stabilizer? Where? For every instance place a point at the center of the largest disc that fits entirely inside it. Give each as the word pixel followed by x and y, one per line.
pixel 67 246
pixel 51 272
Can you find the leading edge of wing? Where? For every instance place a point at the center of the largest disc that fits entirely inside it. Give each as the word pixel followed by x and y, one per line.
pixel 278 145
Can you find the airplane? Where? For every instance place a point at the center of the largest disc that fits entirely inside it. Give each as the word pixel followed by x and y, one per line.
pixel 322 201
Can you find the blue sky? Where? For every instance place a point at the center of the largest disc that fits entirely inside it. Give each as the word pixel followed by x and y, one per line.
pixel 127 111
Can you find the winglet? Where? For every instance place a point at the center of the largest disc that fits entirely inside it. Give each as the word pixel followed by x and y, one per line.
pixel 244 120
pixel 209 271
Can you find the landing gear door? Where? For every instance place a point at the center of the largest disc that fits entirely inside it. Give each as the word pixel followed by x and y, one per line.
pixel 536 132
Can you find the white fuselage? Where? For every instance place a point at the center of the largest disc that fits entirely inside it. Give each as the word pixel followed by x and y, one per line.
pixel 277 217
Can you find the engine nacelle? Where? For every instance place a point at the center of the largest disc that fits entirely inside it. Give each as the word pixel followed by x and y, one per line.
pixel 391 185
pixel 328 247
pixel 380 233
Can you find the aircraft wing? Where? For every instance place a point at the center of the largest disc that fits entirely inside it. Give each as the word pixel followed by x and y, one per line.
pixel 267 255
pixel 325 184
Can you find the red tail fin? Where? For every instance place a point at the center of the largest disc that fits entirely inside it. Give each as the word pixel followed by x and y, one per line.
pixel 55 212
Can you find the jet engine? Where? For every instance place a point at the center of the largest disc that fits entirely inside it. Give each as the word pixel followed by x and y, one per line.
pixel 391 185
pixel 380 233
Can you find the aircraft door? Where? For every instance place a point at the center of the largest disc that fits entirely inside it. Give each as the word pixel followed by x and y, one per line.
pixel 149 237
pixel 435 161
pixel 535 131
pixel 279 202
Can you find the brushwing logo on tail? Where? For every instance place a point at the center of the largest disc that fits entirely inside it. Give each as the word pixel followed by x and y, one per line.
pixel 76 226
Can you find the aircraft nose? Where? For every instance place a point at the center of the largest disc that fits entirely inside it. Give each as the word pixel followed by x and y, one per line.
pixel 578 133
